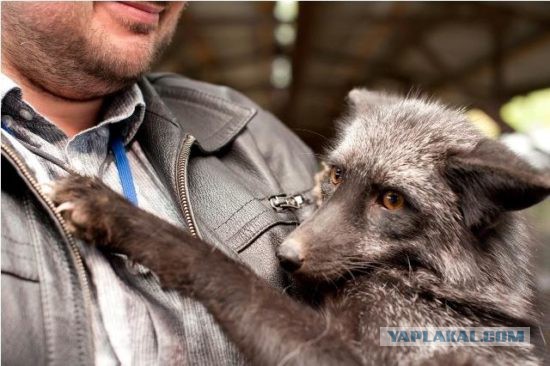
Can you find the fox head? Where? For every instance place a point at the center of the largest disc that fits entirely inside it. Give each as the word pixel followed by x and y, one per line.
pixel 411 183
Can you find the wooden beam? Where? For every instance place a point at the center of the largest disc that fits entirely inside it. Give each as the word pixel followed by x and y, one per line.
pixel 307 22
pixel 465 12
pixel 497 60
pixel 403 36
pixel 374 37
pixel 512 11
pixel 220 21
pixel 527 44
pixel 456 12
pixel 265 50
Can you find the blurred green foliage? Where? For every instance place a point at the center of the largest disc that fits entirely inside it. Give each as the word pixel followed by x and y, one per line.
pixel 528 113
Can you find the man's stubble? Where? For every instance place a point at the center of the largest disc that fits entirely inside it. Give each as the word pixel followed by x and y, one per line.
pixel 73 64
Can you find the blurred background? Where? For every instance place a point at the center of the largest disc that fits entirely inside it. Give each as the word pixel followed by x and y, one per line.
pixel 299 60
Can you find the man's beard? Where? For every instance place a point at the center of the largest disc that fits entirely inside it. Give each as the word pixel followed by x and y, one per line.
pixel 76 67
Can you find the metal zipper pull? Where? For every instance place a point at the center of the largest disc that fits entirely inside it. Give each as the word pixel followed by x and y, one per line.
pixel 283 202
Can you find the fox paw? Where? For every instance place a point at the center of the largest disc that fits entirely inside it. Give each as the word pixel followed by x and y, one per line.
pixel 87 206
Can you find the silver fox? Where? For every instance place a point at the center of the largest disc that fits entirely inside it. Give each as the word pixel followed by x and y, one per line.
pixel 417 226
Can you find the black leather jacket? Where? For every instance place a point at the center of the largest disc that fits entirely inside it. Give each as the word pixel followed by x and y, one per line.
pixel 225 160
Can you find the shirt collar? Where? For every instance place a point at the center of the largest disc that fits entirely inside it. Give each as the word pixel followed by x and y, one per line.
pixel 127 105
pixel 7 85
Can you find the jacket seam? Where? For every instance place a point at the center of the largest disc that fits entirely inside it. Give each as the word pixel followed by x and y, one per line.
pixel 172 94
pixel 258 199
pixel 221 128
pixel 257 233
pixel 162 117
pixel 160 76
pixel 242 229
pixel 21 277
pixel 234 213
pixel 48 321
pixel 15 254
pixel 16 241
pixel 263 230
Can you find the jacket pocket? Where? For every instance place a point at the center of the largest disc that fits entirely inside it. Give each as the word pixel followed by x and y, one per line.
pixel 23 341
pixel 243 226
pixel 18 259
pixel 18 254
pixel 22 321
pixel 253 232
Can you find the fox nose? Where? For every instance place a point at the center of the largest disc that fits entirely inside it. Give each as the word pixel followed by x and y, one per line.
pixel 290 255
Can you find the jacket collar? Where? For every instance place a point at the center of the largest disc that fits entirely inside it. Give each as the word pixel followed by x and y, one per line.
pixel 213 121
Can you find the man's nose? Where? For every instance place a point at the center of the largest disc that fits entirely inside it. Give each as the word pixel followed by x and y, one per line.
pixel 290 254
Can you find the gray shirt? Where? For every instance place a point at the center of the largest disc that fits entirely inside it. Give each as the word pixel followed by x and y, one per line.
pixel 135 322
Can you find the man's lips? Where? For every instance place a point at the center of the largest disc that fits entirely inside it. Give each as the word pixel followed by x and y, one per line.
pixel 135 11
pixel 145 6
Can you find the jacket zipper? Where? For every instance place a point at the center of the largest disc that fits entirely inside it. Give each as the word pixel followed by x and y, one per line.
pixel 182 184
pixel 283 202
pixel 79 264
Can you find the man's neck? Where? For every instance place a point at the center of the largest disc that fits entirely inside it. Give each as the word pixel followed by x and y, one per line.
pixel 70 116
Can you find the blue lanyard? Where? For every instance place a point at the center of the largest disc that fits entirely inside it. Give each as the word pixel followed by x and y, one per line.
pixel 124 170
pixel 121 162
pixel 6 128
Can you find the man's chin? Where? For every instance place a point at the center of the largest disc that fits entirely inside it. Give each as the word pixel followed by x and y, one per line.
pixel 96 88
pixel 112 72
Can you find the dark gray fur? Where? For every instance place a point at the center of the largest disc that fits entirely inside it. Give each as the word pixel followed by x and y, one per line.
pixel 457 254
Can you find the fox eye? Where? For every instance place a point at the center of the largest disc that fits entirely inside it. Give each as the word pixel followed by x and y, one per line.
pixel 336 175
pixel 392 200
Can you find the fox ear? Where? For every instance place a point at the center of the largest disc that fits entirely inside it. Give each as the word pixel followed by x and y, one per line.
pixel 363 100
pixel 492 179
